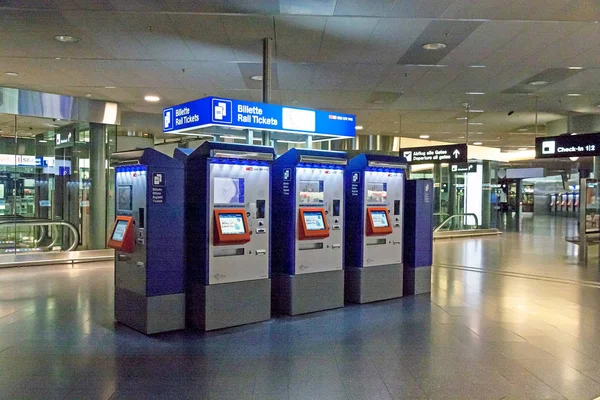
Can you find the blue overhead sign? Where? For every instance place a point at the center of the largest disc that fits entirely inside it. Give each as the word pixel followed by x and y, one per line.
pixel 215 111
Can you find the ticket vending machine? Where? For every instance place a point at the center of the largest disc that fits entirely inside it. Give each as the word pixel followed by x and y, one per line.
pixel 228 222
pixel 308 231
pixel 148 238
pixel 374 222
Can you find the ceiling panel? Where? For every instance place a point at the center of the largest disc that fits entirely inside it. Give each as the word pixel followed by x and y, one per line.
pixel 361 7
pixel 346 39
pixel 307 7
pixel 419 8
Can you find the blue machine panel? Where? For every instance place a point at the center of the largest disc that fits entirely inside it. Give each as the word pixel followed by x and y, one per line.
pixel 418 228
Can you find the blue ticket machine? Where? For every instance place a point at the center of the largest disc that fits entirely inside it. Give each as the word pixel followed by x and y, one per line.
pixel 374 221
pixel 308 231
pixel 418 236
pixel 228 222
pixel 148 238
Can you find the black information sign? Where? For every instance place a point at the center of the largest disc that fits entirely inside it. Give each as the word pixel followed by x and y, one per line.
pixel 454 154
pixel 568 146
pixel 470 167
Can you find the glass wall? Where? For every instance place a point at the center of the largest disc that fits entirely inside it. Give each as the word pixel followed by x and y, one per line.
pixel 45 184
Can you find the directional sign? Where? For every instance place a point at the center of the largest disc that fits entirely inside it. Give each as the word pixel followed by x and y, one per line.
pixel 568 146
pixel 470 167
pixel 454 154
pixel 230 113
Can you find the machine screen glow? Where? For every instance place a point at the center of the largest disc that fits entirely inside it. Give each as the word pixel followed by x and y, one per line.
pixel 314 221
pixel 376 192
pixel 379 219
pixel 232 224
pixel 119 231
pixel 311 192
pixel 228 190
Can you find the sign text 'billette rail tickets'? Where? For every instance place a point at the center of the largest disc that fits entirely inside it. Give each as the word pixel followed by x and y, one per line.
pixel 454 153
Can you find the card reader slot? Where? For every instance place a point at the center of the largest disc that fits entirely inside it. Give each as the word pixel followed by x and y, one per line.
pixel 220 252
pixel 376 242
pixel 261 252
pixel 336 246
pixel 310 246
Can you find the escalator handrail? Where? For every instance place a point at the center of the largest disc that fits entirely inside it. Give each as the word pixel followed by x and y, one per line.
pixel 41 222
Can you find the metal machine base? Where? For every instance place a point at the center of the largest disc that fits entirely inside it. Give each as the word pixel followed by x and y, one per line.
pixel 229 304
pixel 306 293
pixel 417 280
pixel 150 315
pixel 365 285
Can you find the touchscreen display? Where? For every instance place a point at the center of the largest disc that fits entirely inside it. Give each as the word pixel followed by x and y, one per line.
pixel 314 221
pixel 379 219
pixel 119 231
pixel 232 224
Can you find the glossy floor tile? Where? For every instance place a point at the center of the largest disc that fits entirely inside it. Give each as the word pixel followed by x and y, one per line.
pixel 481 334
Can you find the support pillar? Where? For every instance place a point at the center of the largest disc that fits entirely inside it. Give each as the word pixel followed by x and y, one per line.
pixel 266 93
pixel 98 172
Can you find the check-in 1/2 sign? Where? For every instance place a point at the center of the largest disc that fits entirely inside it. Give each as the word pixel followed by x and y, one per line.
pixel 454 154
pixel 568 146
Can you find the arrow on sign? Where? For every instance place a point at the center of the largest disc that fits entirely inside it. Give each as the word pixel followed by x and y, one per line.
pixel 456 153
pixel 470 167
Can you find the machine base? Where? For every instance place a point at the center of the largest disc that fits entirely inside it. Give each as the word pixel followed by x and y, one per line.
pixel 306 293
pixel 224 305
pixel 417 280
pixel 366 285
pixel 150 315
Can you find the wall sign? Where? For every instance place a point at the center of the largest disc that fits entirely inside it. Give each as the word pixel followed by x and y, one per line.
pixel 454 153
pixel 470 167
pixel 568 146
pixel 159 193
pixel 215 111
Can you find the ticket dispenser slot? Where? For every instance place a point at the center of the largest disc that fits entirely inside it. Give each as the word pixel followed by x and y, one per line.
pixel 122 237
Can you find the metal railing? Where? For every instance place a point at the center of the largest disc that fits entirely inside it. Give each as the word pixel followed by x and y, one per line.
pixel 44 224
pixel 462 218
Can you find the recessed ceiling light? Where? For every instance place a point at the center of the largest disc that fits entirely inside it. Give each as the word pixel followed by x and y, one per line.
pixel 256 77
pixel 57 58
pixel 66 38
pixel 475 93
pixel 576 68
pixel 461 118
pixel 43 141
pixel 573 94
pixel 478 133
pixel 152 98
pixel 538 83
pixel 477 143
pixel 522 148
pixel 359 127
pixel 476 111
pixel 434 46
pixel 523 129
pixel 11 73
pixel 424 136
pixel 475 123
pixel 477 66
pixel 110 87
pixel 88 95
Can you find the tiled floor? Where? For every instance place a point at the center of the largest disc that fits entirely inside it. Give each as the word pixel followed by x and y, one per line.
pixel 478 336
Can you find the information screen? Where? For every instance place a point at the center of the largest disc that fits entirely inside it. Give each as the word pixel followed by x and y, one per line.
pixel 314 221
pixel 232 224
pixel 376 192
pixel 379 219
pixel 311 192
pixel 119 231
pixel 228 190
pixel 124 199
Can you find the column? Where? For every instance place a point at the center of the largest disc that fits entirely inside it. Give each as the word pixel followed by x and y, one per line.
pixel 98 169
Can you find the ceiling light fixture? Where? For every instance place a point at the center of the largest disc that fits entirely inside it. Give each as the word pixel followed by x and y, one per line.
pixel 461 118
pixel 538 83
pixel 424 136
pixel 576 68
pixel 475 93
pixel 88 95
pixel 434 46
pixel 152 98
pixel 523 129
pixel 11 73
pixel 110 87
pixel 573 94
pixel 43 141
pixel 477 143
pixel 475 123
pixel 66 39
pixel 257 78
pixel 378 101
pixel 359 127
pixel 476 111
pixel 522 148
pixel 477 66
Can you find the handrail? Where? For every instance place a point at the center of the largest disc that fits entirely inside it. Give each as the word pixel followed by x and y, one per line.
pixel 450 218
pixel 41 222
